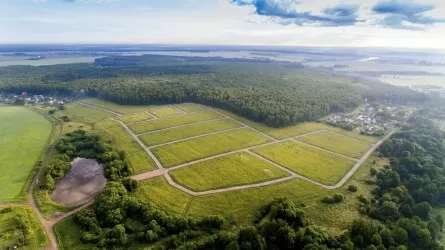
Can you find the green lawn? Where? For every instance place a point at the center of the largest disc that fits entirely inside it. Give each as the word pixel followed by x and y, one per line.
pixel 337 143
pixel 190 107
pixel 227 171
pixel 307 161
pixel 194 149
pixel 165 111
pixel 173 121
pixel 9 231
pixel 135 118
pixel 137 156
pixel 122 109
pixel 153 139
pixel 158 191
pixel 68 236
pixel 23 137
pixel 83 114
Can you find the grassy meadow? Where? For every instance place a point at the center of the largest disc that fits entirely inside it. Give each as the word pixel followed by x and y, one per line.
pixel 136 155
pixel 68 237
pixel 194 149
pixel 227 171
pixel 23 137
pixel 190 107
pixel 10 233
pixel 337 143
pixel 82 114
pixel 167 122
pixel 122 109
pixel 308 161
pixel 165 111
pixel 175 134
pixel 137 117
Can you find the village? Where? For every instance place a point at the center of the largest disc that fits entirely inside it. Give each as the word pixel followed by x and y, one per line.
pixel 371 119
pixel 24 98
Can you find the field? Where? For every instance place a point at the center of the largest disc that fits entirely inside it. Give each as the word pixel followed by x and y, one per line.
pixel 138 158
pixel 186 151
pixel 165 111
pixel 310 162
pixel 168 122
pixel 135 117
pixel 410 81
pixel 83 114
pixel 337 143
pixel 170 135
pixel 158 190
pixel 23 137
pixel 68 237
pixel 190 107
pixel 122 109
pixel 227 171
pixel 47 61
pixel 9 231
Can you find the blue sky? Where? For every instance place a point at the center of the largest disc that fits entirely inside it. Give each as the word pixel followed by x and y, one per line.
pixel 360 23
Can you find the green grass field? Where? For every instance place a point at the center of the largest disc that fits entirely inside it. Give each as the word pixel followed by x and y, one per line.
pixel 122 109
pixel 307 161
pixel 138 158
pixel 337 143
pixel 82 114
pixel 135 118
pixel 190 107
pixel 170 135
pixel 9 233
pixel 227 171
pixel 68 237
pixel 158 191
pixel 164 111
pixel 23 137
pixel 194 149
pixel 173 121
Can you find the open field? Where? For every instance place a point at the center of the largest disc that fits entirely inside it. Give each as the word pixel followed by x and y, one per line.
pixel 23 137
pixel 194 149
pixel 337 143
pixel 173 121
pixel 170 135
pixel 227 171
pixel 68 237
pixel 165 111
pixel 299 129
pixel 135 118
pixel 190 107
pixel 10 233
pixel 308 161
pixel 410 81
pixel 49 61
pixel 122 109
pixel 158 191
pixel 83 114
pixel 136 155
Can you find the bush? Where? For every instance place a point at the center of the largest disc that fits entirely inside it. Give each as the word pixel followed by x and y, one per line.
pixel 336 198
pixel 352 188
pixel 373 171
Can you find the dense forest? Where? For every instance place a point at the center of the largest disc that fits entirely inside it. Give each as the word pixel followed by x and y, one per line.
pixel 275 93
pixel 401 214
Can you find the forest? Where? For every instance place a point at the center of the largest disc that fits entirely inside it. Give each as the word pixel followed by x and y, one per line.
pixel 275 93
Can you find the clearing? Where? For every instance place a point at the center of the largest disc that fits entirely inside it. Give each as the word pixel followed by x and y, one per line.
pixel 175 134
pixel 190 107
pixel 83 114
pixel 122 109
pixel 23 137
pixel 227 171
pixel 185 151
pixel 337 143
pixel 135 118
pixel 308 161
pixel 165 111
pixel 68 237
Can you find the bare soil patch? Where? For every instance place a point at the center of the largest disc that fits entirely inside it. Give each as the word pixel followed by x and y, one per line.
pixel 84 180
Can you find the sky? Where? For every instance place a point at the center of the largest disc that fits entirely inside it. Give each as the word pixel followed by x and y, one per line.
pixel 348 23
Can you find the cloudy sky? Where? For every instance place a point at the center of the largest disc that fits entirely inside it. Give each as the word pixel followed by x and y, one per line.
pixel 361 23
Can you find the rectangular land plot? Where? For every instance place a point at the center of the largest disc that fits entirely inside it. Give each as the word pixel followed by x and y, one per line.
pixel 167 122
pixel 194 149
pixel 337 143
pixel 138 158
pixel 227 171
pixel 137 117
pixel 175 134
pixel 80 113
pixel 313 163
pixel 165 111
pixel 157 190
pixel 122 109
pixel 191 107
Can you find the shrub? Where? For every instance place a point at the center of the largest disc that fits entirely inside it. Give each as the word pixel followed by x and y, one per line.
pixel 373 171
pixel 352 188
pixel 336 198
